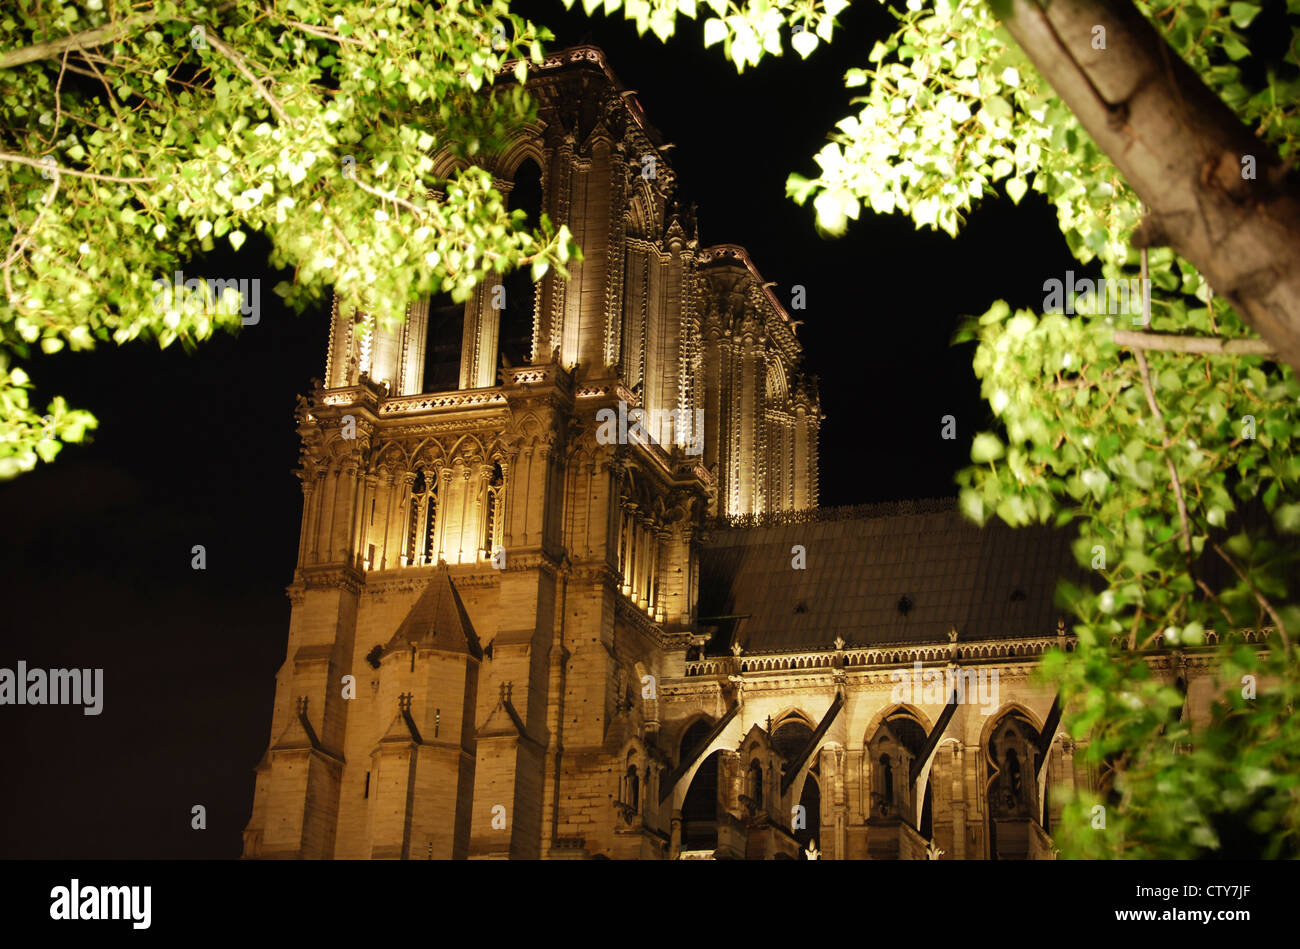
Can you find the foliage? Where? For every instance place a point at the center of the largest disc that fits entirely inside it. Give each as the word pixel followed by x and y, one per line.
pixel 180 123
pixel 1151 455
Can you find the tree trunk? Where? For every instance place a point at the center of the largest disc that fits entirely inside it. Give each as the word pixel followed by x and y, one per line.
pixel 1181 149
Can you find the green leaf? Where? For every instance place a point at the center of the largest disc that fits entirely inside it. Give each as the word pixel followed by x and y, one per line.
pixel 1287 518
pixel 998 107
pixel 1242 14
pixel 804 43
pixel 715 31
pixel 986 447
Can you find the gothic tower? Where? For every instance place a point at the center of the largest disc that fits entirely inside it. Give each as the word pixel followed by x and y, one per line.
pixel 495 569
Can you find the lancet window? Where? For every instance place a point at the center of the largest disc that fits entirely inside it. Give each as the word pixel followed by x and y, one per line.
pixel 494 497
pixel 422 527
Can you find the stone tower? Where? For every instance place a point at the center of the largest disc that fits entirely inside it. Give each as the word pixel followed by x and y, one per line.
pixel 502 505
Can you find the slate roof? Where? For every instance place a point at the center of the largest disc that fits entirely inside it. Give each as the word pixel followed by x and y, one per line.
pixel 438 619
pixel 991 583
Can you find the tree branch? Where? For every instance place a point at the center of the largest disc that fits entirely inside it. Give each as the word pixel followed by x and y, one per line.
pixel 323 33
pixel 1173 470
pixel 59 169
pixel 1200 345
pixel 58 103
pixel 1263 602
pixel 17 247
pixel 108 33
pixel 1180 148
pixel 387 197
pixel 88 39
pixel 242 66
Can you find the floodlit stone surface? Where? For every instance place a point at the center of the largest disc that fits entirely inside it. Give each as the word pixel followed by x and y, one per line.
pixel 567 645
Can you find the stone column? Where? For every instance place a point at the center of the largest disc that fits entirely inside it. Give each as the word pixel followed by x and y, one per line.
pixel 304 544
pixel 958 802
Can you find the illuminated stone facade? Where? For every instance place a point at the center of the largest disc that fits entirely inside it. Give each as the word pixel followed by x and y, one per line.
pixel 515 636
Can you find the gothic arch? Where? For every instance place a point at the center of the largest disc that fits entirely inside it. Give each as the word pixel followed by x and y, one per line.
pixel 633 745
pixel 683 728
pixel 795 741
pixel 633 777
pixel 642 216
pixel 891 750
pixel 888 712
pixel 340 448
pixel 523 145
pixel 728 738
pixel 1005 709
pixel 1010 779
pixel 499 451
pixel 528 428
pixel 778 389
pixel 792 712
pixel 392 456
pixel 445 164
pixel 429 452
pixel 457 453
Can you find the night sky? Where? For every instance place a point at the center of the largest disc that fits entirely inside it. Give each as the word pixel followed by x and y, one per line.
pixel 199 448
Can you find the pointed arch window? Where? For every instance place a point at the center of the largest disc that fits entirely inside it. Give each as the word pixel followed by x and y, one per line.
pixel 896 745
pixel 515 341
pixel 422 526
pixel 445 344
pixel 756 784
pixel 632 785
pixel 494 498
pixel 1012 788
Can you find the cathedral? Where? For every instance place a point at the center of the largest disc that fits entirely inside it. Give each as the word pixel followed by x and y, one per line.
pixel 564 590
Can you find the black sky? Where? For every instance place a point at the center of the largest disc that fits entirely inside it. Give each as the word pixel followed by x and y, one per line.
pixel 199 449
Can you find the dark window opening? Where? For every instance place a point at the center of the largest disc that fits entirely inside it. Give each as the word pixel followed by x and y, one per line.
pixel 811 801
pixel 1013 771
pixel 791 737
pixel 692 738
pixel 443 346
pixel 633 789
pixel 422 525
pixel 516 335
pixel 493 501
pixel 756 784
pixel 700 808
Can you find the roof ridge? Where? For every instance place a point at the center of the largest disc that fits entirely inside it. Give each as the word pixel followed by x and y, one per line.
pixel 848 512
